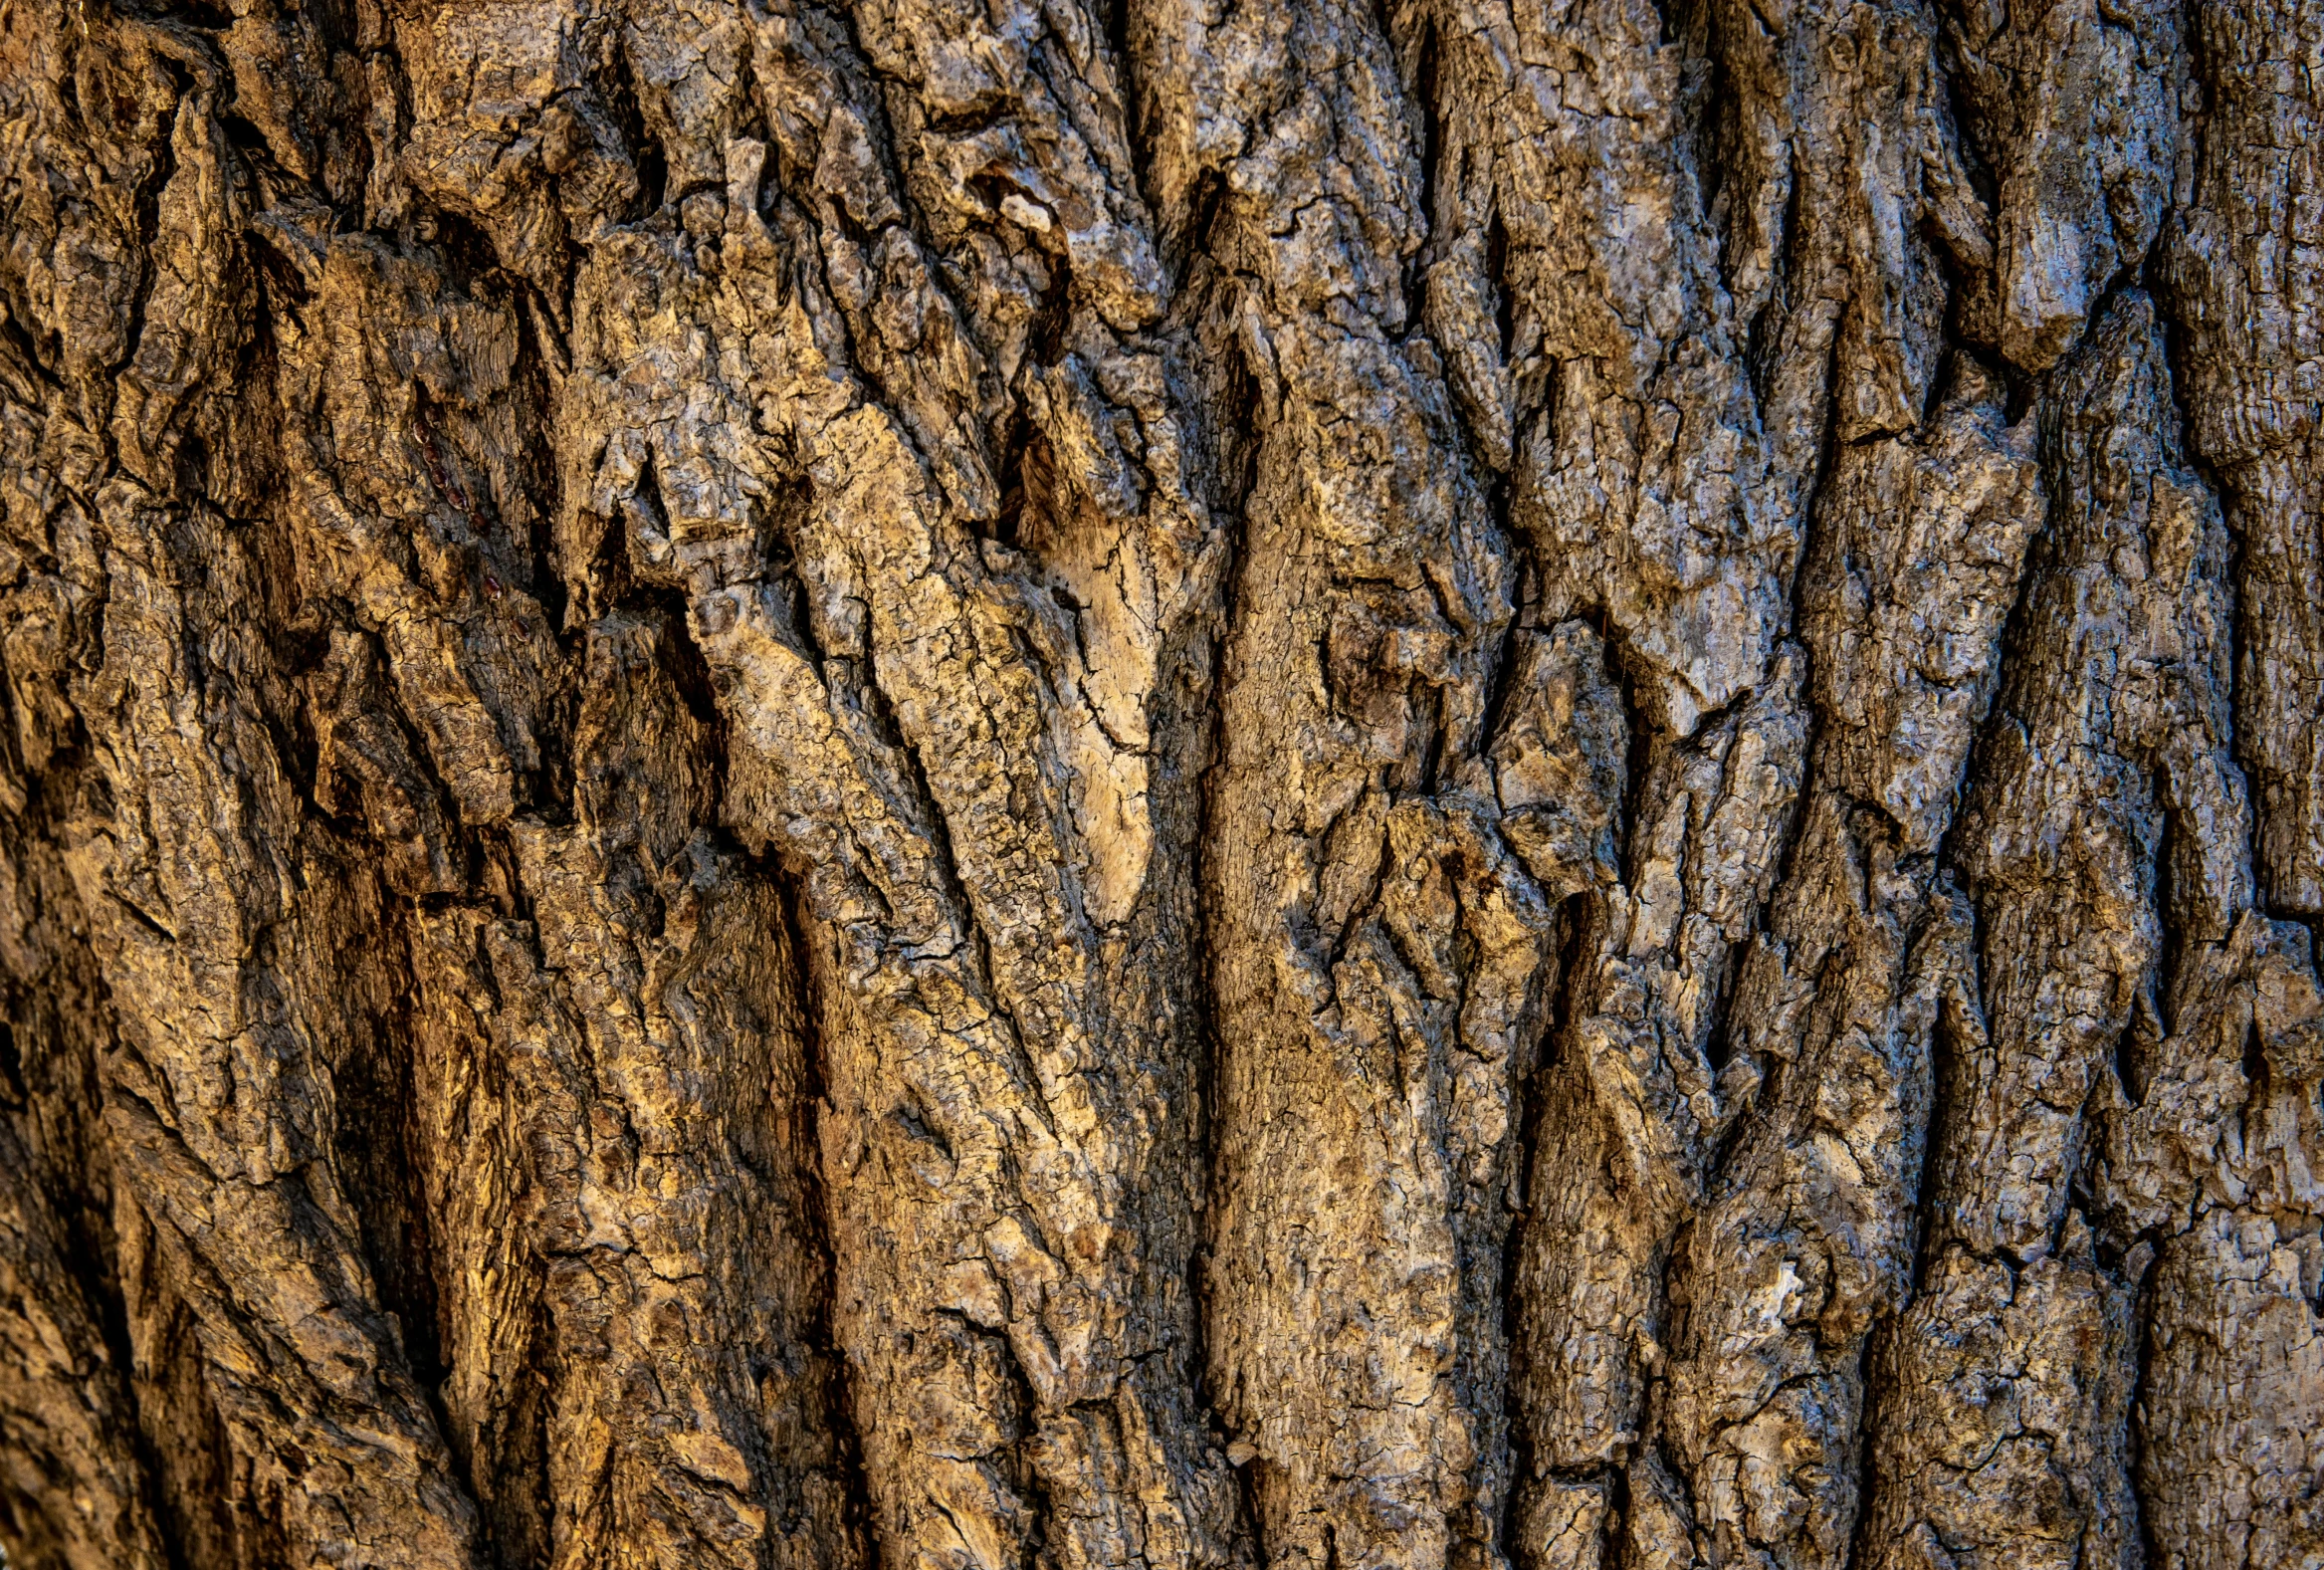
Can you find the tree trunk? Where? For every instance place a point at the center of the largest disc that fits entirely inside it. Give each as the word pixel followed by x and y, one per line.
pixel 1427 786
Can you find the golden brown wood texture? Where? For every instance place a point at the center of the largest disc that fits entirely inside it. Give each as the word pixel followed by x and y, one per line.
pixel 1168 785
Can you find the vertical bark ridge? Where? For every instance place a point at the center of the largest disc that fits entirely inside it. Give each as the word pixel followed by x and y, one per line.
pixel 2107 716
pixel 1382 892
pixel 1664 476
pixel 884 400
pixel 2249 357
pixel 603 1389
pixel 78 1487
pixel 342 561
pixel 1807 1235
pixel 203 901
pixel 2212 1160
pixel 79 1492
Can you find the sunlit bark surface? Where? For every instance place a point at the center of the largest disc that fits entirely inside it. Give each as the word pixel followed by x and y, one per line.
pixel 1180 785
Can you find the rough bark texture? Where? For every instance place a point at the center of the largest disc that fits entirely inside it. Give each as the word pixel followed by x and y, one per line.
pixel 971 784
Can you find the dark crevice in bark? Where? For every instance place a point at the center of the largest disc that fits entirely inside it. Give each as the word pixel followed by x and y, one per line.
pixel 796 937
pixel 1617 1551
pixel 646 156
pixel 1672 1308
pixel 1812 496
pixel 681 658
pixel 1528 1122
pixel 2205 74
pixel 1953 333
pixel 754 123
pixel 101 421
pixel 1237 437
pixel 2150 1546
pixel 1123 57
pixel 90 1204
pixel 1715 139
pixel 466 257
pixel 1024 448
pixel 2255 1075
pixel 1639 753
pixel 1501 669
pixel 1860 1546
pixel 373 1093
pixel 1760 339
pixel 518 1532
pixel 537 461
pixel 209 16
pixel 1198 241
pixel 1425 91
pixel 1945 1093
pixel 1497 274
pixel 11 1071
pixel 193 1465
pixel 2174 951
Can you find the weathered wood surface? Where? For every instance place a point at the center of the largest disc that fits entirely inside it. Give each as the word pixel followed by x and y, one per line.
pixel 962 784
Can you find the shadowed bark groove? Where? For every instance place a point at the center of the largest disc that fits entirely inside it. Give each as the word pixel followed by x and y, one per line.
pixel 1451 785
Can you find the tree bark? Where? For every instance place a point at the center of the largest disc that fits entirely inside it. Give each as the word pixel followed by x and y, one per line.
pixel 1429 786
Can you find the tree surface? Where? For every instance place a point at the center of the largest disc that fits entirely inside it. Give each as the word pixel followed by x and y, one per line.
pixel 1292 784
